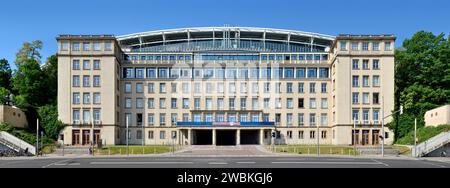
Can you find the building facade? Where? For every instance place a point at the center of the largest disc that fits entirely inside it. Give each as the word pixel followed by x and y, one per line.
pixel 438 116
pixel 225 86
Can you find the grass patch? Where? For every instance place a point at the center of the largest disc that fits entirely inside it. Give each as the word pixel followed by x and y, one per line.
pixel 310 149
pixel 136 150
pixel 423 133
pixel 402 150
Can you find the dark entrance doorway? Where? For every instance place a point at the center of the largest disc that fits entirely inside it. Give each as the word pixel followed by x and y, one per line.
pixel 249 137
pixel 225 137
pixel 202 137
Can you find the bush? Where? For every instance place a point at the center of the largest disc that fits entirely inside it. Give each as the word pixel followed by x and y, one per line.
pixel 49 121
pixel 24 134
pixel 423 133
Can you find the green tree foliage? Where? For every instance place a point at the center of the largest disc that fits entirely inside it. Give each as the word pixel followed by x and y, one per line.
pixel 422 78
pixel 3 93
pixel 50 71
pixel 5 74
pixel 29 51
pixel 48 116
pixel 29 85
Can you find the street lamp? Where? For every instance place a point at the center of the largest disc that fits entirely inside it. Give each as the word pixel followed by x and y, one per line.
pixel 382 123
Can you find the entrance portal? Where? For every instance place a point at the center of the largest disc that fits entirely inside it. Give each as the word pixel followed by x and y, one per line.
pixel 249 137
pixel 225 137
pixel 202 137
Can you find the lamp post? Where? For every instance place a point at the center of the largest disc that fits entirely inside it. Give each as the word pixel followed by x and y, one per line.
pixel 354 135
pixel 37 138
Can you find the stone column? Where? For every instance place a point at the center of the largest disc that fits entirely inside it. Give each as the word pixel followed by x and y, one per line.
pixel 214 137
pixel 238 137
pixel 189 137
pixel 261 137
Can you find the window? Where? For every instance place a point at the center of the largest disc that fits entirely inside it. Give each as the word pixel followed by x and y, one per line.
pixel 312 119
pixel 255 88
pixel 323 119
pixel 86 116
pixel 209 87
pixel 86 81
pixel 185 103
pixel 76 98
pixel 220 88
pixel 197 103
pixel 355 46
pixel 162 73
pixel 289 119
pixel 86 98
pixel 324 103
pixel 173 103
pixel 343 45
pixel 96 115
pixel 387 46
pixel 277 87
pixel 355 64
pixel 220 103
pixel 289 87
pixel 127 102
pixel 312 103
pixel 231 88
pixel 243 103
pixel 139 103
pixel 76 65
pixel 376 98
pixel 127 87
pixel 323 72
pixel 312 87
pixel 76 116
pixel 365 98
pixel 150 135
pixel 139 88
pixel 151 88
pixel 220 117
pixel 151 73
pixel 365 81
pixel 255 117
pixel 355 98
pixel 232 117
pixel 301 87
pixel 289 103
pixel 365 64
pixel 128 119
pixel 244 118
pixel 162 87
pixel 355 81
pixel 278 103
pixel 75 81
pixel 139 72
pixel 265 117
pixel 96 64
pixel 266 87
pixel 75 46
pixel 243 87
pixel 255 103
pixel 301 119
pixel 312 134
pixel 355 114
pixel 96 81
pixel 312 72
pixel 375 46
pixel 376 64
pixel 288 72
pixel 86 65
pixel 323 134
pixel 197 88
pixel 209 117
pixel 376 114
pixel 150 119
pixel 162 119
pixel 301 103
pixel 366 116
pixel 162 134
pixel 86 46
pixel 208 103
pixel 323 87
pixel 96 97
pixel 365 46
pixel 266 103
pixel 139 134
pixel 108 46
pixel 301 73
pixel 376 81
pixel 64 45
pixel 162 103
pixel 300 134
pixel 128 73
pixel 96 46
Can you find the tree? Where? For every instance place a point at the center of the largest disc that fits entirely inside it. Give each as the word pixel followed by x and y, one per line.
pixel 3 93
pixel 49 120
pixel 28 84
pixel 422 78
pixel 50 71
pixel 29 51
pixel 5 74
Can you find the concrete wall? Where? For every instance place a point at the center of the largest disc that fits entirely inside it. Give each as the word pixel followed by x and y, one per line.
pixel 438 116
pixel 13 116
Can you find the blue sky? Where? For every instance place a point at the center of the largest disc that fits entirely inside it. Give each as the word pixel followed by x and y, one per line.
pixel 27 20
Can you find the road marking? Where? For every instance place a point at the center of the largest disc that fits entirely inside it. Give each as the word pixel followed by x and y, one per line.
pixel 432 164
pixel 138 163
pixel 246 162
pixel 380 162
pixel 57 163
pixel 217 163
pixel 74 164
pixel 60 164
pixel 312 162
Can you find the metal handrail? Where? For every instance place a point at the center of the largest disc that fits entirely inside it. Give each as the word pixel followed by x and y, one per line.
pixel 431 144
pixel 17 142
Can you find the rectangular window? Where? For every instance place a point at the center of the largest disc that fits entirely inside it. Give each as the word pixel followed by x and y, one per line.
pixel 127 102
pixel 312 119
pixel 289 119
pixel 301 87
pixel 96 64
pixel 255 88
pixel 366 116
pixel 86 81
pixel 300 134
pixel 151 88
pixel 139 87
pixel 277 87
pixel 266 103
pixel 64 45
pixel 255 103
pixel 301 73
pixel 75 81
pixel 108 46
pixel 301 103
pixel 376 64
pixel 355 114
pixel 75 46
pixel 278 103
pixel 97 98
pixel 323 72
pixel 323 119
pixel 86 64
pixel 86 46
pixel 324 103
pixel 355 64
pixel 76 98
pixel 301 119
pixel 231 88
pixel 289 87
pixel 76 65
pixel 220 103
pixel 365 46
pixel 151 135
pixel 289 103
pixel 376 81
pixel 127 87
pixel 96 46
pixel 162 134
pixel 162 73
pixel 162 119
pixel 288 72
pixel 197 103
pixel 365 81
pixel 365 64
pixel 139 103
pixel 355 81
pixel 355 46
pixel 86 116
pixel 127 72
pixel 375 116
pixel 209 88
pixel 86 98
pixel 355 98
pixel 243 103
pixel 185 103
pixel 266 87
pixel 208 103
pixel 365 98
pixel 343 45
pixel 139 72
pixel 162 88
pixel 243 87
pixel 323 87
pixel 375 46
pixel 387 46
pixel 312 103
pixel 173 103
pixel 76 116
pixel 197 88
pixel 312 87
pixel 376 98
pixel 96 81
pixel 312 72
pixel 220 88
pixel 150 103
pixel 162 103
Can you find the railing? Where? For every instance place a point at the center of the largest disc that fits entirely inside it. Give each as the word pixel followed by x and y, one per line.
pixel 225 124
pixel 431 144
pixel 16 142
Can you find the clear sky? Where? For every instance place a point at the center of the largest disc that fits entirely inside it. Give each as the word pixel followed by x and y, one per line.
pixel 27 20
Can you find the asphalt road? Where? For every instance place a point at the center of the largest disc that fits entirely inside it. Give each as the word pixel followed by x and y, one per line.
pixel 219 162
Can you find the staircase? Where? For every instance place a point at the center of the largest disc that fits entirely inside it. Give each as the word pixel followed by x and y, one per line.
pixel 431 144
pixel 376 150
pixel 15 144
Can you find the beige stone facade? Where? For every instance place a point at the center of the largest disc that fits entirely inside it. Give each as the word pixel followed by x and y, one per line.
pixel 225 86
pixel 13 116
pixel 438 116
